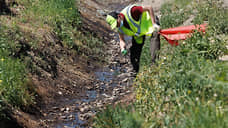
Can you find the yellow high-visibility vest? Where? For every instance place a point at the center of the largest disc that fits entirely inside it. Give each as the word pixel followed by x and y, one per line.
pixel 137 28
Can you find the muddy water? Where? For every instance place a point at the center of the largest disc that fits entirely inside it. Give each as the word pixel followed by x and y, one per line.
pixel 113 81
pixel 104 78
pixel 108 89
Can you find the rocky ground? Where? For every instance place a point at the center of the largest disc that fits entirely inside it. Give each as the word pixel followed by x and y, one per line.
pixel 112 83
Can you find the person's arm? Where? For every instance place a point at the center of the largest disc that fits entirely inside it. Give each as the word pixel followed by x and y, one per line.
pixel 151 12
pixel 122 42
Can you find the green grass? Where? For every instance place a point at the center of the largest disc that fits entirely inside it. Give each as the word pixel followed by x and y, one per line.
pixel 179 13
pixel 63 18
pixel 14 87
pixel 145 60
pixel 118 118
pixel 174 13
pixel 188 85
pixel 182 80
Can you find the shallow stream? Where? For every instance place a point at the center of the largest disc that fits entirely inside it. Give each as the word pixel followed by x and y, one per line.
pixel 113 81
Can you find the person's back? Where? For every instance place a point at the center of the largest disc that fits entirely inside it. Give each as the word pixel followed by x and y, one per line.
pixel 136 21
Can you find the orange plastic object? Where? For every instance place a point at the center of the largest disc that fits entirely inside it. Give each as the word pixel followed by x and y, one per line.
pixel 172 35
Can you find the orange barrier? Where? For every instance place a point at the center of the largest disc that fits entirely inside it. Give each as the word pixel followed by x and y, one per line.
pixel 172 35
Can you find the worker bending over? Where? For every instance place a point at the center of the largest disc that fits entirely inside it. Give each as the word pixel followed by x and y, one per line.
pixel 138 22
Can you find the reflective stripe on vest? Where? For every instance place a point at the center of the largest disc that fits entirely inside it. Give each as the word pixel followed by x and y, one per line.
pixel 133 22
pixel 139 28
pixel 134 25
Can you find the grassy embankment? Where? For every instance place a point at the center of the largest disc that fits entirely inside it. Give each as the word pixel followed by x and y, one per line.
pixel 188 85
pixel 60 17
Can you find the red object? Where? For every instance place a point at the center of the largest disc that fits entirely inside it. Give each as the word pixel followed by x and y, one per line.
pixel 136 12
pixel 172 35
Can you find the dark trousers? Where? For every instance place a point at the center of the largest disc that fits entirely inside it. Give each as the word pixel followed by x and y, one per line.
pixel 136 49
pixel 135 53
